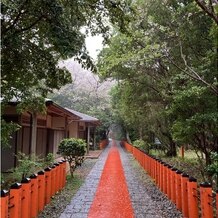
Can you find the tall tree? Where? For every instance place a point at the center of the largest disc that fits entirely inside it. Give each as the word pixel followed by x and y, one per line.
pixel 170 51
pixel 37 34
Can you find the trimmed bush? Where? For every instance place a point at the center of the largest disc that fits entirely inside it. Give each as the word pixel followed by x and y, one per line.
pixel 73 150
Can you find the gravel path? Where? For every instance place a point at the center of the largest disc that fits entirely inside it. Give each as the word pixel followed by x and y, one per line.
pixel 81 202
pixel 147 200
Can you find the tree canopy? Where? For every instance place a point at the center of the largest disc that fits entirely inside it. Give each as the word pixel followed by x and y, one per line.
pixel 166 68
pixel 37 34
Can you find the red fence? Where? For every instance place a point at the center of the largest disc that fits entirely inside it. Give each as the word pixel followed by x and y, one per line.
pixel 103 144
pixel 28 198
pixel 191 199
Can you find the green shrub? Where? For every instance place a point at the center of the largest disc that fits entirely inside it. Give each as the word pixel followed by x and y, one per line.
pixel 212 169
pixel 73 150
pixel 142 145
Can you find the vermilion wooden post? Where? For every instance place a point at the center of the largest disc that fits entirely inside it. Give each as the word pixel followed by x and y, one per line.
pixel 143 161
pixel 34 196
pixel 155 169
pixel 165 179
pixel 184 181
pixel 178 190
pixel 26 198
pixel 47 185
pixel 53 180
pixel 64 172
pixel 15 201
pixel 157 172
pixel 141 158
pixel 4 203
pixel 206 200
pixel 151 167
pixel 217 203
pixel 182 151
pixel 61 174
pixel 173 185
pixel 169 181
pixel 41 190
pixel 192 198
pixel 162 176
pixel 58 175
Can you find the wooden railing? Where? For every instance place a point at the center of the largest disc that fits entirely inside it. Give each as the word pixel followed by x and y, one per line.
pixel 28 198
pixel 192 199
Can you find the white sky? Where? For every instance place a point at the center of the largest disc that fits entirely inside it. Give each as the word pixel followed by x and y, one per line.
pixel 94 45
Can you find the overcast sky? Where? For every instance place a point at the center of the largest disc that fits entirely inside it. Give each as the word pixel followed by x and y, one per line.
pixel 94 45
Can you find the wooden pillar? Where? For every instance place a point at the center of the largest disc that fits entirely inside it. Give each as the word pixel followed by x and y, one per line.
pixel 94 138
pixel 33 134
pixel 88 139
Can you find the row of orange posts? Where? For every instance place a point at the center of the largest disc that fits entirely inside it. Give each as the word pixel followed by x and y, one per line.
pixel 191 199
pixel 103 143
pixel 28 198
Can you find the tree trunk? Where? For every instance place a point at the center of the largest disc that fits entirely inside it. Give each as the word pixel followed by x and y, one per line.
pixel 172 152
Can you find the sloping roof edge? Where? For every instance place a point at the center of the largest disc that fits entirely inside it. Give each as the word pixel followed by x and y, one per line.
pixel 85 117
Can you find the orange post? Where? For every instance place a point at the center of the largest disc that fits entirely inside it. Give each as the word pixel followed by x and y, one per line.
pixel 26 198
pixel 173 185
pixel 34 196
pixel 64 174
pixel 206 200
pixel 192 198
pixel 57 182
pixel 15 201
pixel 4 203
pixel 165 178
pixel 162 176
pixel 217 203
pixel 178 190
pixel 41 190
pixel 61 174
pixel 184 190
pixel 47 185
pixel 53 180
pixel 157 172
pixel 182 151
pixel 169 181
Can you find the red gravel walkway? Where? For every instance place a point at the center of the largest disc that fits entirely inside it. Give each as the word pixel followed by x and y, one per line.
pixel 112 197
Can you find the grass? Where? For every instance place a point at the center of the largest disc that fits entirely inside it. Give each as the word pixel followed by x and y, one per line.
pixel 189 164
pixel 63 198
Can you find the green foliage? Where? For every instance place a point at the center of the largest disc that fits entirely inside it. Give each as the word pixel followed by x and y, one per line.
pixel 49 160
pixel 212 169
pixel 166 73
pixel 73 151
pixel 35 38
pixel 34 104
pixel 7 129
pixel 142 145
pixel 26 166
